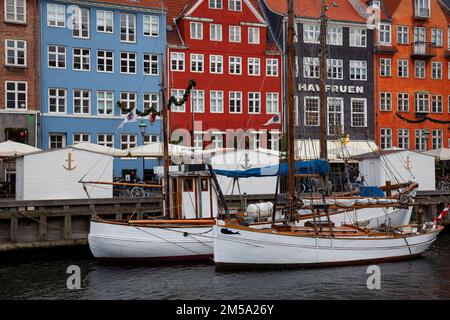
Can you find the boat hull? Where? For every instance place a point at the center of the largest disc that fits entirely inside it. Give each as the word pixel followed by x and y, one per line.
pixel 242 248
pixel 113 241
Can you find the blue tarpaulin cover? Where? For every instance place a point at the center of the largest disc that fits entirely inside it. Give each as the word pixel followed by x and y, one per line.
pixel 300 167
pixel 371 192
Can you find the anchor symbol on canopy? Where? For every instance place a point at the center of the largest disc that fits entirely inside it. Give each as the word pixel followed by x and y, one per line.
pixel 408 163
pixel 70 161
pixel 246 164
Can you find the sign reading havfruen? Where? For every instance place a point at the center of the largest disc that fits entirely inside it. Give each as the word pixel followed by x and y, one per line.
pixel 331 88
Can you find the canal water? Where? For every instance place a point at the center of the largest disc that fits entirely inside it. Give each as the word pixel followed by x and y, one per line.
pixel 43 275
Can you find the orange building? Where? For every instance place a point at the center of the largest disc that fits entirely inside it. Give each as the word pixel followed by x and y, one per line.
pixel 412 82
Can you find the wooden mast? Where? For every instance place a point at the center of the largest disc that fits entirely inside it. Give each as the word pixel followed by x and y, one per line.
pixel 290 110
pixel 165 114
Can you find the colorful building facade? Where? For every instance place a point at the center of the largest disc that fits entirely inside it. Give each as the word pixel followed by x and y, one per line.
pixel 413 75
pixel 94 55
pixel 227 48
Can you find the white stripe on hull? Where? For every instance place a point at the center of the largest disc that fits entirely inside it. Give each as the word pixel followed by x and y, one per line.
pixel 257 248
pixel 115 241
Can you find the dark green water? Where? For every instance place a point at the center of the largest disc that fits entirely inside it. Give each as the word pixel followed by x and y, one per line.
pixel 43 276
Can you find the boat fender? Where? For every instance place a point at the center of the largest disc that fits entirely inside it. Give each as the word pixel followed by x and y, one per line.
pixel 226 231
pixel 185 234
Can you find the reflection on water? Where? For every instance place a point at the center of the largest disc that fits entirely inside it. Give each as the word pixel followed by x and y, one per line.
pixel 35 277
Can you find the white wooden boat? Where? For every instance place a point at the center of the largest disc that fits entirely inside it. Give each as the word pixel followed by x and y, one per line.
pixel 246 248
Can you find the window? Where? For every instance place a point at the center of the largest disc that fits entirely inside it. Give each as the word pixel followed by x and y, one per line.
pixel 235 5
pixel 235 65
pixel 177 61
pixel 335 69
pixel 128 62
pixel 151 26
pixel 57 140
pixel 235 102
pixel 254 66
pixel 385 101
pixel 105 61
pixel 272 67
pixel 437 37
pixel 196 30
pixel 335 116
pixel 358 70
pixel 358 37
pixel 311 33
pixel 253 35
pixel 151 138
pixel 127 141
pixel 105 21
pixel 311 67
pixel 422 8
pixel 385 67
pixel 384 34
pixel 402 68
pixel 403 35
pixel 127 27
pixel 274 140
pixel 81 59
pixel 56 15
pixel 272 103
pixel 437 139
pixel 421 139
pixel 359 113
pixel 56 57
pixel 197 62
pixel 81 137
pixel 198 140
pixel 403 102
pixel 216 101
pixel 334 35
pixel 436 70
pixel 151 62
pixel 128 100
pixel 106 140
pixel 198 101
pixel 15 11
pixel 385 138
pixel 312 111
pixel 81 23
pixel 217 141
pixel 235 34
pixel 403 138
pixel 215 32
pixel 15 53
pixel 419 69
pixel 16 94
pixel 254 102
pixel 215 4
pixel 105 102
pixel 422 102
pixel 215 64
pixel 178 94
pixel 437 104
pixel 57 100
pixel 151 101
pixel 81 101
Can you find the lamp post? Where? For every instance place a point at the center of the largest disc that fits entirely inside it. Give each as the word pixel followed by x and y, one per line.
pixel 142 128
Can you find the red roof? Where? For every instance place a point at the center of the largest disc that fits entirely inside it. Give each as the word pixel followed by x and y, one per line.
pixel 341 11
pixel 152 4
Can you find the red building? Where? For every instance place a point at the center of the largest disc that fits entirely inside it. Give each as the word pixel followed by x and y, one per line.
pixel 412 82
pixel 227 48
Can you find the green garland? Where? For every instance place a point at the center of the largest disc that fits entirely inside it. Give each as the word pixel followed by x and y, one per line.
pixel 422 120
pixel 153 110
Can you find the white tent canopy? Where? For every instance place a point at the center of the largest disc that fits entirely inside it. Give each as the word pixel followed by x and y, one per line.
pixel 14 149
pixel 155 149
pixel 442 154
pixel 100 149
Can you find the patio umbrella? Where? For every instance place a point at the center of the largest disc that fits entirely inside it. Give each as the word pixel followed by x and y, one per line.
pixel 100 149
pixel 10 149
pixel 155 149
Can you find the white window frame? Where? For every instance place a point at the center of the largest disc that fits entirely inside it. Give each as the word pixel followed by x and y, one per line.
pixel 385 101
pixel 311 33
pixel 235 62
pixel 272 103
pixel 130 100
pixel 105 59
pixel 353 113
pixel 105 19
pixel 15 13
pixel 385 67
pixel 57 55
pixel 129 142
pixel 198 101
pixel 150 99
pixel 128 62
pixel 254 102
pixel 272 67
pixel 128 21
pixel 311 117
pixel 79 25
pixel 56 19
pixel 335 35
pixel 215 4
pixel 421 102
pixel 196 30
pixel 334 112
pixel 403 97
pixel 216 64
pixel 420 65
pixel 403 34
pixel 83 58
pixel 57 135
pixel 235 34
pixel 361 67
pixel 58 99
pixel 235 5
pixel 385 138
pixel 215 32
pixel 177 57
pixel 311 67
pixel 151 60
pixel 385 34
pixel 83 137
pixel 358 37
pixel 178 94
pixel 106 101
pixel 16 93
pixel 403 68
pixel 335 67
pixel 437 103
pixel 436 70
pixel 197 62
pixel 82 99
pixel 254 35
pixel 403 138
pixel 16 50
pixel 254 67
pixel 108 139
pixel 150 26
pixel 216 98
pixel 235 97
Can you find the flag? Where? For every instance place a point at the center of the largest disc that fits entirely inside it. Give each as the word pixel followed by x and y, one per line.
pixel 275 120
pixel 131 117
pixel 442 214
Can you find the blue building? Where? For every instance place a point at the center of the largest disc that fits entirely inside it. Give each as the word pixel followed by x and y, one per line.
pixel 93 55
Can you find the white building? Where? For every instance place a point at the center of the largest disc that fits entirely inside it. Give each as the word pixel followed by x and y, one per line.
pixel 398 166
pixel 55 174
